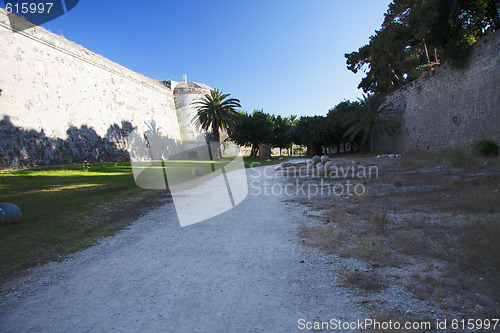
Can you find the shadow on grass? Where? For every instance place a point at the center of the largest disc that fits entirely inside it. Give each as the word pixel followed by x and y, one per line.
pixel 65 209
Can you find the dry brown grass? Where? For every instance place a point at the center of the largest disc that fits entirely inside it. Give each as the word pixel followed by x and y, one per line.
pixel 328 238
pixel 447 235
pixel 462 158
pixel 417 160
pixel 120 213
pixel 450 195
pixel 478 197
pixel 407 241
pixel 372 248
pixel 362 280
pixel 364 236
pixel 379 221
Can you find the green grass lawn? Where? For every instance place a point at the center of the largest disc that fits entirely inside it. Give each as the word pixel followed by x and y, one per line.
pixel 66 208
pixel 60 207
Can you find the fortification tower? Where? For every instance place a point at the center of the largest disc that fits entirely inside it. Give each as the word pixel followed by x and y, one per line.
pixel 185 94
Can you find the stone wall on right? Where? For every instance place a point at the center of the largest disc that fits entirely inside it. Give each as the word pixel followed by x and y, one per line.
pixel 450 107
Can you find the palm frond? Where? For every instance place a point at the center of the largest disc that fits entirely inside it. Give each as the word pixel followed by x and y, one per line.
pixel 216 111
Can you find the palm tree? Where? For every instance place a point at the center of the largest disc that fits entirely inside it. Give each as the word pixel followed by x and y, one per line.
pixel 216 111
pixel 371 119
pixel 293 120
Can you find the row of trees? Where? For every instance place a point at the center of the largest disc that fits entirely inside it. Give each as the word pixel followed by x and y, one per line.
pixel 416 35
pixel 216 112
pixel 253 129
pixel 356 124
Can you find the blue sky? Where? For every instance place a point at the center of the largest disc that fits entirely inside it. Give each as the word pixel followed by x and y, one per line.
pixel 286 57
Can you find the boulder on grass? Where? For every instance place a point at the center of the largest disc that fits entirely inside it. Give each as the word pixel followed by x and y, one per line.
pixel 320 169
pixel 329 165
pixel 198 172
pixel 316 159
pixel 9 213
pixel 324 159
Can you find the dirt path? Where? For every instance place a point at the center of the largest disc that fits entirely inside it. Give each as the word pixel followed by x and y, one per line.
pixel 238 272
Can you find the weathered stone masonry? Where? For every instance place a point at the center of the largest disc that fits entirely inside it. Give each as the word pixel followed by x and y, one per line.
pixel 61 103
pixel 451 107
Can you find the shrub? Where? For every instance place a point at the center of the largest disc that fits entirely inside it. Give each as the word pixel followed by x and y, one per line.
pixel 368 280
pixel 486 147
pixel 460 157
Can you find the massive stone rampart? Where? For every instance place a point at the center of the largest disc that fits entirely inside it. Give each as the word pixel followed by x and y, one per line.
pixel 451 107
pixel 61 103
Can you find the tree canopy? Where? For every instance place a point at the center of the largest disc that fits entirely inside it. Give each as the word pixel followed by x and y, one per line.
pixel 335 121
pixel 356 123
pixel 216 111
pixel 253 129
pixel 419 34
pixel 372 118
pixel 281 132
pixel 312 132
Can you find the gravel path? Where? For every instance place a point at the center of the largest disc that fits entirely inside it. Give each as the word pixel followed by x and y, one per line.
pixel 238 272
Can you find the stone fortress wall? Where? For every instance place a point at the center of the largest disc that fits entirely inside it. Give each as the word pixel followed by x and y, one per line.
pixel 61 103
pixel 187 93
pixel 451 107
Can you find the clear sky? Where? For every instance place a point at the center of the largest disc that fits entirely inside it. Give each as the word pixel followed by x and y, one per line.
pixel 283 56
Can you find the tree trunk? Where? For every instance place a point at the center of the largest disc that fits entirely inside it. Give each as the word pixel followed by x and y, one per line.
pixel 265 151
pixel 314 149
pixel 309 151
pixel 372 142
pixel 216 134
pixel 254 150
